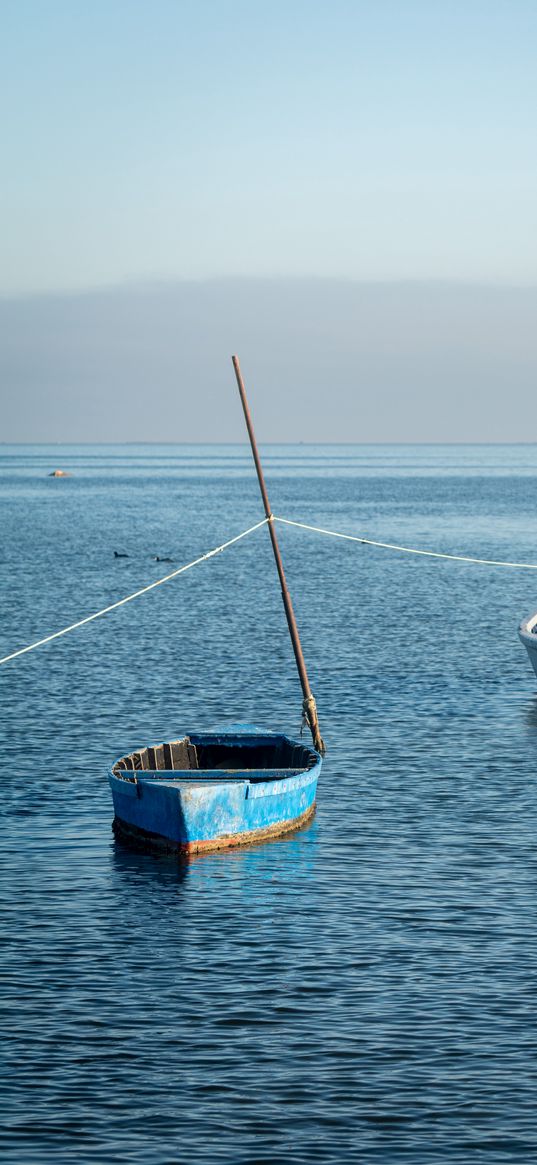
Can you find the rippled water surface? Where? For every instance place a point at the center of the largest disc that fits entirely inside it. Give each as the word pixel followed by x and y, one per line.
pixel 363 990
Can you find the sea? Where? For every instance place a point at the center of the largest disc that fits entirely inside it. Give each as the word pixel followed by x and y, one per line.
pixel 363 990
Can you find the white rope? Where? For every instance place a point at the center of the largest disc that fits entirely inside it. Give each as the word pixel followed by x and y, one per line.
pixel 407 549
pixel 218 550
pixel 136 594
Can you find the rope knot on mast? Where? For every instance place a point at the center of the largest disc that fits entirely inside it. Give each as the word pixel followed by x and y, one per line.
pixel 309 719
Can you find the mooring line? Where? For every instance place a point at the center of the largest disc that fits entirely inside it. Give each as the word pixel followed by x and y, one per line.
pixel 135 595
pixel 407 549
pixel 231 541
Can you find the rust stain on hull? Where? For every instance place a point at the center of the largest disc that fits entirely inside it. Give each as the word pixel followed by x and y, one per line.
pixel 154 841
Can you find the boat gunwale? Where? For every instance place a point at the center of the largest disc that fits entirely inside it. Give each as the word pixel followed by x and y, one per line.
pixel 233 740
pixel 195 776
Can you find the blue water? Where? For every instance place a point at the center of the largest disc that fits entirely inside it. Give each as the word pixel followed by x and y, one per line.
pixel 364 990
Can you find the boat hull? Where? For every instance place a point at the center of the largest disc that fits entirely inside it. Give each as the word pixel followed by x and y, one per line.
pixel 529 639
pixel 144 839
pixel 210 809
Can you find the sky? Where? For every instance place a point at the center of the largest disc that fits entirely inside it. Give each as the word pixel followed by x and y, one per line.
pixel 149 149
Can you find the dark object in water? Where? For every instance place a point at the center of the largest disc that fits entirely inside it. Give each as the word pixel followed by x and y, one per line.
pixel 59 473
pixel 119 554
pixel 213 790
pixel 159 559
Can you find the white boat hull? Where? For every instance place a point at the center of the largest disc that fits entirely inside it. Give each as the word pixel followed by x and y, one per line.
pixel 528 636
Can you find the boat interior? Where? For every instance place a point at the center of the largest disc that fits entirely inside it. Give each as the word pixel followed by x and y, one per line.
pixel 203 754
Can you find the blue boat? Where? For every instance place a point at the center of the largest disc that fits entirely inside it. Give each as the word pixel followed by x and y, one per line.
pixel 208 791
pixel 528 636
pixel 212 790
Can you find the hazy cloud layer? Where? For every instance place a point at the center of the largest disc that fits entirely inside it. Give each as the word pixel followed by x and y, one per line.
pixel 323 360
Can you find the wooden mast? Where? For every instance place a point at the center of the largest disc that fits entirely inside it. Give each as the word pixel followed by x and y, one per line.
pixel 308 705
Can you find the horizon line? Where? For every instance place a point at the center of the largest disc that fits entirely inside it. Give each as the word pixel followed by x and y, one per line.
pixel 156 282
pixel 245 444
